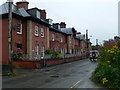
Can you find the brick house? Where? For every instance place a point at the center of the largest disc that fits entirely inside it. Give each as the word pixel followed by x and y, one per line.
pixel 34 33
pixel 29 30
pixel 58 41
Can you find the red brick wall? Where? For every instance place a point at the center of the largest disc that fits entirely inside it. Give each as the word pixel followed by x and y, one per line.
pixel 19 38
pixel 16 38
pixel 38 39
pixel 22 5
pixel 49 62
pixel 0 41
pixel 4 41
pixel 57 44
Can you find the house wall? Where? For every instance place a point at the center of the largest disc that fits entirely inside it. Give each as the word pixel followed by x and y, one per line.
pixel 38 39
pixel 57 43
pixel 77 46
pixel 0 41
pixel 4 41
pixel 19 38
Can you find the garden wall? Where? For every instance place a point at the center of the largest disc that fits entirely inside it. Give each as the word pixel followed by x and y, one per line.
pixel 40 63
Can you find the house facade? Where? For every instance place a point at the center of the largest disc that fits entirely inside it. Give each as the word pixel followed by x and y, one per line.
pixel 33 33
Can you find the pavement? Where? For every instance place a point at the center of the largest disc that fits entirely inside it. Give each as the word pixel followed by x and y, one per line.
pixel 68 75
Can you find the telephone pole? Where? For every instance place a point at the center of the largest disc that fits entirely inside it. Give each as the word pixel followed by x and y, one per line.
pixel 10 36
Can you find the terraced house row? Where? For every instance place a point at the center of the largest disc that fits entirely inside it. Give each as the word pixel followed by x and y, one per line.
pixel 34 33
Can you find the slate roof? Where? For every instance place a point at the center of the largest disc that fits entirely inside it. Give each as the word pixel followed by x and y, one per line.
pixel 57 30
pixel 18 11
pixel 67 30
pixel 80 36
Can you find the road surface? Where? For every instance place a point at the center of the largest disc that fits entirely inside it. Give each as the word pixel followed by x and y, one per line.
pixel 68 75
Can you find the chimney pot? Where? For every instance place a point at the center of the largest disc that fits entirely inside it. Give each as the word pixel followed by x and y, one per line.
pixel 43 14
pixel 62 25
pixel 22 4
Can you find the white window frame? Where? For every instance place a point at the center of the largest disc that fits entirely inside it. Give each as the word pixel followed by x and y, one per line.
pixel 36 30
pixel 42 32
pixel 53 37
pixel 61 39
pixel 42 50
pixel 38 14
pixel 36 49
pixel 20 28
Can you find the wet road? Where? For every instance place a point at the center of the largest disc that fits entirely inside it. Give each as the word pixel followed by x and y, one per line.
pixel 69 75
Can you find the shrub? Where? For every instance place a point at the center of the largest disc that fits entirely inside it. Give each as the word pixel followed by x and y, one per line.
pixel 107 73
pixel 56 55
pixel 18 54
pixel 47 52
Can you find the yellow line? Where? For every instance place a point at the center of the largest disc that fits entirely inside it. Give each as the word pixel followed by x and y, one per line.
pixel 75 84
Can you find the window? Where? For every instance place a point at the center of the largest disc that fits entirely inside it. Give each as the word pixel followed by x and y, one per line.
pixel 36 49
pixel 61 39
pixel 69 40
pixel 54 49
pixel 62 50
pixel 38 14
pixel 42 32
pixel 53 37
pixel 42 50
pixel 19 27
pixel 19 46
pixel 36 30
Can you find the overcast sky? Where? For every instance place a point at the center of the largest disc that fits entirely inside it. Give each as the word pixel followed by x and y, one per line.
pixel 100 17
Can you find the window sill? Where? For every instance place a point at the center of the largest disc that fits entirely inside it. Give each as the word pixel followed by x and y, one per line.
pixel 36 35
pixel 19 33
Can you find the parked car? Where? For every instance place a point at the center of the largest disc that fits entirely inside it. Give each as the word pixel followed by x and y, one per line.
pixel 94 55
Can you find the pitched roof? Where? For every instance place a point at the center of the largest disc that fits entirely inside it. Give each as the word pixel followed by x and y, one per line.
pixel 19 11
pixel 80 36
pixel 68 30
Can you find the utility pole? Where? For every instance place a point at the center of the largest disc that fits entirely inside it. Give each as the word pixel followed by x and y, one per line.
pixel 10 36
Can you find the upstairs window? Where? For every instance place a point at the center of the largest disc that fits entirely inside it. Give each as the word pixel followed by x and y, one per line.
pixel 36 30
pixel 42 32
pixel 53 37
pixel 19 28
pixel 38 14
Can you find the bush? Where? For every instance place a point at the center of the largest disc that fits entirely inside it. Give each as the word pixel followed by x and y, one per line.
pixel 47 52
pixel 107 73
pixel 18 55
pixel 56 55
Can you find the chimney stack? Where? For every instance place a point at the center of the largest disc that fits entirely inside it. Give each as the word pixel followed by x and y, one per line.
pixel 62 25
pixel 43 14
pixel 22 4
pixel 78 32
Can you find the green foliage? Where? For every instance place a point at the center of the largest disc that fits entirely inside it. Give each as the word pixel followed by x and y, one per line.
pixel 47 52
pixel 18 55
pixel 118 44
pixel 94 47
pixel 13 74
pixel 56 55
pixel 107 73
